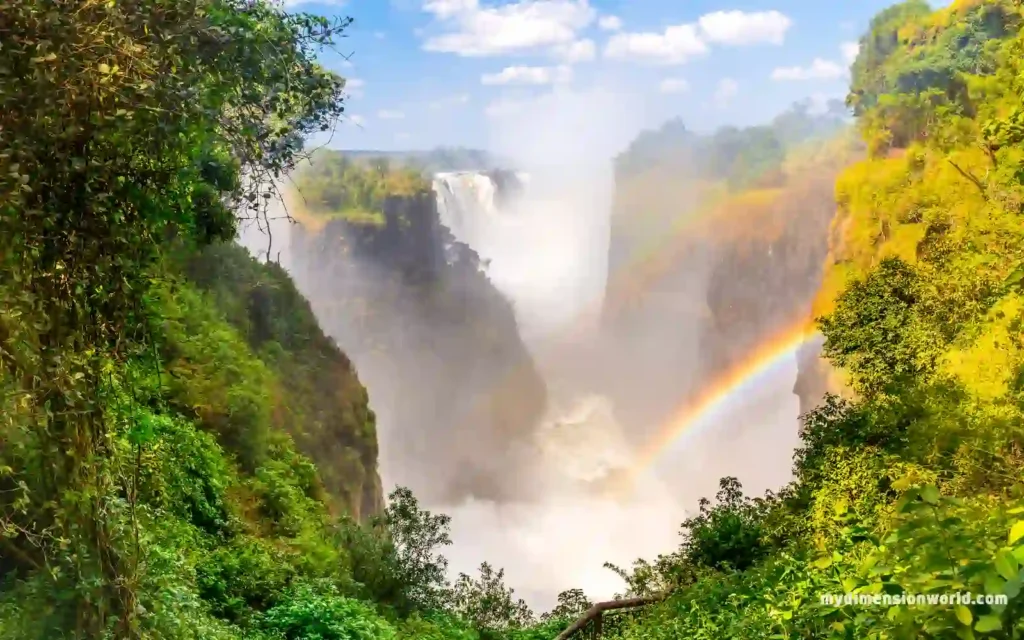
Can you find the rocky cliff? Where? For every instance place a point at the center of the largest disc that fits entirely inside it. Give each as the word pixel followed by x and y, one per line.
pixel 452 383
pixel 317 398
pixel 731 267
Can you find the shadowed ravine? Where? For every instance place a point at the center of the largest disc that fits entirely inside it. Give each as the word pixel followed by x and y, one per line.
pixel 513 400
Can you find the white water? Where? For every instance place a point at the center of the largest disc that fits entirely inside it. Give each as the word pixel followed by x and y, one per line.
pixel 547 252
pixel 547 249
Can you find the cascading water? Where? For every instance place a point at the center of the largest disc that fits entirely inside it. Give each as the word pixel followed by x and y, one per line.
pixel 548 256
pixel 543 250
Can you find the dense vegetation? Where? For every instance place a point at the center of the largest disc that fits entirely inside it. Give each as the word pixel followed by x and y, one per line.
pixel 740 158
pixel 913 484
pixel 167 398
pixel 159 385
pixel 334 186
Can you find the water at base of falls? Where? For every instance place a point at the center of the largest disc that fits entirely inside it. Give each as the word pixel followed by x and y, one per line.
pixel 550 262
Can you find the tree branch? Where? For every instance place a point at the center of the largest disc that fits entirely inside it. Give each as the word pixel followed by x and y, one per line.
pixel 977 183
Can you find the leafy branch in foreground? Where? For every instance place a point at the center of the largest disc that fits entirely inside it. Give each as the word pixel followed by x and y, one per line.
pixel 123 125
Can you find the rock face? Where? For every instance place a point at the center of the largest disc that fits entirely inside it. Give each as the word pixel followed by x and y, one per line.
pixel 724 273
pixel 764 280
pixel 321 401
pixel 452 384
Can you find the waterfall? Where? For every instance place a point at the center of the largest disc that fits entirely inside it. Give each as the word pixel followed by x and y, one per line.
pixel 545 245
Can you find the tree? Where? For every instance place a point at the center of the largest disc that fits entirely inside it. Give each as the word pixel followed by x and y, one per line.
pixel 124 126
pixel 572 603
pixel 727 535
pixel 875 332
pixel 488 604
pixel 417 534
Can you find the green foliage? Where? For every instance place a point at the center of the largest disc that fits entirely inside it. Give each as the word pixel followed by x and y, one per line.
pixel 909 76
pixel 310 614
pixel 332 186
pixel 489 605
pixel 742 158
pixel 874 332
pixel 570 605
pixel 125 128
pixel 727 535
pixel 417 535
pixel 247 575
pixel 316 395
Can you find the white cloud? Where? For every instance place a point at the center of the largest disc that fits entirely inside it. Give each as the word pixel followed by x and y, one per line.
pixel 675 46
pixel 738 28
pixel 450 102
pixel 401 136
pixel 475 31
pixel 448 8
pixel 356 119
pixel 818 70
pixel 354 87
pixel 528 75
pixel 388 114
pixel 380 35
pixel 850 51
pixel 726 90
pixel 673 85
pixel 609 23
pixel 579 51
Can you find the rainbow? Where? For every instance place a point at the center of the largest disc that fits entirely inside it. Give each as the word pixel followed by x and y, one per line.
pixel 764 359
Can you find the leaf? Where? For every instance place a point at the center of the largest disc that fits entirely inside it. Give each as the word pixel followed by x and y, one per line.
pixel 930 494
pixel 1012 587
pixel 993 583
pixel 1016 532
pixel 963 614
pixel 1018 553
pixel 1006 564
pixel 965 633
pixel 988 624
pixel 822 563
pixel 903 483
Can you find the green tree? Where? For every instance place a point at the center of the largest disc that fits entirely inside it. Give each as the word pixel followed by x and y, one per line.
pixel 489 605
pixel 875 332
pixel 726 535
pixel 123 126
pixel 570 604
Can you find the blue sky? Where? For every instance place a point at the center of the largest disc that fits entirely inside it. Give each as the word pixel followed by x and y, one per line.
pixel 426 73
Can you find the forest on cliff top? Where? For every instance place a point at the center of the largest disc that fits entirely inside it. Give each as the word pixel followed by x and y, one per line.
pixel 184 454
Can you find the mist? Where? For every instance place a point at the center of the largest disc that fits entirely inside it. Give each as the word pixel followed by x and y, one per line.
pixel 514 399
pixel 548 252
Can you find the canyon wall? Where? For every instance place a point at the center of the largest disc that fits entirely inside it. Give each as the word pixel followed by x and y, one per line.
pixel 455 391
pixel 703 273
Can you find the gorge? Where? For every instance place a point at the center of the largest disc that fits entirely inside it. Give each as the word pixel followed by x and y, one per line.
pixel 521 344
pixel 201 439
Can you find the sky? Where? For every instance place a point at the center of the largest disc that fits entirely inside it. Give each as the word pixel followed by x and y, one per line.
pixel 429 73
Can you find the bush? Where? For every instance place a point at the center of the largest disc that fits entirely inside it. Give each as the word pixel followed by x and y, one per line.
pixel 306 613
